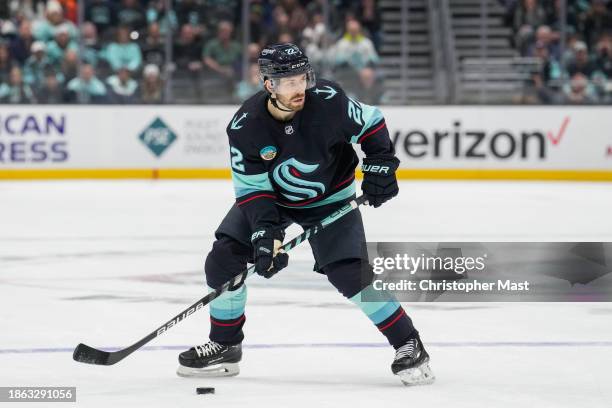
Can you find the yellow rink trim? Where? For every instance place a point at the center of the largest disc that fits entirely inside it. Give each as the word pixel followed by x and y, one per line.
pixel 505 174
pixel 403 174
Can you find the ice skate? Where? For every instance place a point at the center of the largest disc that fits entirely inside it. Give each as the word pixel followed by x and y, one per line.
pixel 210 360
pixel 411 363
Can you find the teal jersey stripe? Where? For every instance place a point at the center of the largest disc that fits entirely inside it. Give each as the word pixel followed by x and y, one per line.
pixel 343 194
pixel 371 115
pixel 246 184
pixel 230 305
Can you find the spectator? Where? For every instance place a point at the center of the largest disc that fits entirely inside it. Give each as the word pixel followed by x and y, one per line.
pixel 153 50
pixel 222 54
pixel 570 43
pixel 21 44
pixel 91 46
pixel 582 63
pixel 87 87
pixel 62 43
pixel 103 14
pixel 545 37
pixel 354 49
pixel 35 66
pixel 191 12
pixel 603 59
pixel 151 85
pixel 131 15
pixel 70 66
pixel 50 92
pixel 123 52
pixel 531 13
pixel 16 91
pixel 8 30
pixel 220 10
pixel 157 13
pixel 579 91
pixel 253 51
pixel 280 24
pixel 6 62
pixel 313 38
pixel 526 17
pixel 249 86
pixel 70 9
pixel 296 14
pixel 550 70
pixel 257 25
pixel 368 13
pixel 122 87
pixel 45 30
pixel 187 50
pixel 598 20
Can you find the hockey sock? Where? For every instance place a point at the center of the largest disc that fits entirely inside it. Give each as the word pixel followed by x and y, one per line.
pixel 381 307
pixel 387 314
pixel 227 316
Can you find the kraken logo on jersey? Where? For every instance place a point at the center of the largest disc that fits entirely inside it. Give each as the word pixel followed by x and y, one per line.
pixel 287 176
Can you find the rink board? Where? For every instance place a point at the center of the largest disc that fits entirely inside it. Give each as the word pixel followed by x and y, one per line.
pixel 142 142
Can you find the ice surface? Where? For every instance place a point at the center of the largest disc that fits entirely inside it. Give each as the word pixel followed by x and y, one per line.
pixel 106 262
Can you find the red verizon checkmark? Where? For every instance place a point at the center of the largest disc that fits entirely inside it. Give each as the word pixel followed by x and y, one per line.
pixel 555 140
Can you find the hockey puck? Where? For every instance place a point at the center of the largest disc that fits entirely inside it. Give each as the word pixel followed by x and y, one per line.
pixel 205 390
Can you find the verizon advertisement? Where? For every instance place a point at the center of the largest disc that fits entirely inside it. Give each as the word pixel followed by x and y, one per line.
pixel 502 137
pixel 526 138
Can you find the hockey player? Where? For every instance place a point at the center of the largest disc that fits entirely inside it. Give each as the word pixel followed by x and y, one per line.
pixel 292 162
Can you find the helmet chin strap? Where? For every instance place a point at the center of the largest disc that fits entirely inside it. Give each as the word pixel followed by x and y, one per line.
pixel 273 100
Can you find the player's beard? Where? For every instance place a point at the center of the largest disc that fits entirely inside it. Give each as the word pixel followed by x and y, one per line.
pixel 292 102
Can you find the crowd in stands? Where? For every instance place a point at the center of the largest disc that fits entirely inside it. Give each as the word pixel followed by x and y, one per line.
pixel 581 73
pixel 119 54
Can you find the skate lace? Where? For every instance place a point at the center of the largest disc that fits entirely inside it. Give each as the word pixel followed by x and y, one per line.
pixel 407 349
pixel 208 349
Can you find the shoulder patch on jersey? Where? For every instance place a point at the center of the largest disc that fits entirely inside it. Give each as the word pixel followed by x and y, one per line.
pixel 268 152
pixel 235 125
pixel 326 90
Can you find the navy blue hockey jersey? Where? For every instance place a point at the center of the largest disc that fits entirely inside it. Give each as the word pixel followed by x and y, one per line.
pixel 305 162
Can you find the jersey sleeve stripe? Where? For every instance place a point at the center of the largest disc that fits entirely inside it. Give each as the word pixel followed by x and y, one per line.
pixel 247 184
pixel 255 197
pixel 382 125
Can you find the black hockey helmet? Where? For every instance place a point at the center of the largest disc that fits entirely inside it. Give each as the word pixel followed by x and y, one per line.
pixel 284 60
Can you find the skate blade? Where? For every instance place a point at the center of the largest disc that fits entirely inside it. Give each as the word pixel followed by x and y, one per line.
pixel 420 375
pixel 219 370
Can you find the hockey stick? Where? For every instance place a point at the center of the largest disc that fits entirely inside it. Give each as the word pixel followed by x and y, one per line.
pixel 86 354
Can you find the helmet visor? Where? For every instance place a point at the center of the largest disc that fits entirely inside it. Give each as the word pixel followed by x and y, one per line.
pixel 293 83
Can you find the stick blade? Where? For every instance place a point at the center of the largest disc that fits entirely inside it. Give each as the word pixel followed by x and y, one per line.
pixel 89 355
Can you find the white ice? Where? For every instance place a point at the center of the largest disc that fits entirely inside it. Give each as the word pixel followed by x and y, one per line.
pixel 105 263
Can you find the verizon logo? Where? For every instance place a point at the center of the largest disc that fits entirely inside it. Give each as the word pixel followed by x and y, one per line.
pixel 473 143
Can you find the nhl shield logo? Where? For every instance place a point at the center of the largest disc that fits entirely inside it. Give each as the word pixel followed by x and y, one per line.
pixel 268 152
pixel 288 130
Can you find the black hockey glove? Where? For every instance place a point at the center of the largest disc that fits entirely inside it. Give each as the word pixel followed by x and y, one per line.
pixel 379 181
pixel 266 243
